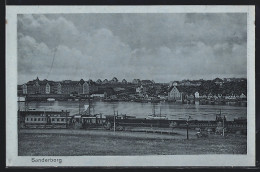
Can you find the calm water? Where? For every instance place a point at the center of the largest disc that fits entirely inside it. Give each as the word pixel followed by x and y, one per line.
pixel 142 110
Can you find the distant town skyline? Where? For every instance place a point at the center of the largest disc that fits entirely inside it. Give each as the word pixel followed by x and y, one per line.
pixel 159 47
pixel 129 81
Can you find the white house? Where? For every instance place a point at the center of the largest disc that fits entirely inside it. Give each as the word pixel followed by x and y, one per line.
pixel 204 96
pixel 210 96
pixel 102 95
pixel 173 84
pixel 48 88
pixel 215 97
pixel 139 89
pixel 24 89
pixel 242 96
pixel 86 89
pixel 197 95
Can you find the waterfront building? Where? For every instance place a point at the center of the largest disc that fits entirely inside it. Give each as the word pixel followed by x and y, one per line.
pixel 233 97
pixel 158 90
pixel 226 80
pixel 215 97
pixel 59 88
pixel 40 87
pixel 197 95
pixel 89 87
pixel 105 81
pixel 162 96
pixel 243 96
pixel 99 81
pixel 189 97
pixel 119 90
pixel 230 97
pixel 24 87
pixel 195 83
pixel 48 88
pixel 136 81
pixel 90 81
pixel 114 80
pixel 186 83
pixel 124 81
pixel 80 86
pixel 98 94
pixel 210 96
pixel 139 89
pixel 190 83
pixel 19 90
pixel 77 87
pixel 204 96
pixel 226 97
pixel 70 87
pixel 173 83
pixel 175 94
pixel 146 82
pixel 218 81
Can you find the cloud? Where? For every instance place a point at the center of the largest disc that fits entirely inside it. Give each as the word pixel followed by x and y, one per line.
pixel 162 47
pixel 52 32
pixel 100 57
pixel 36 58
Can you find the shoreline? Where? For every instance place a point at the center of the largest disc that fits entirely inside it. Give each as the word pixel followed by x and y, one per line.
pixel 227 103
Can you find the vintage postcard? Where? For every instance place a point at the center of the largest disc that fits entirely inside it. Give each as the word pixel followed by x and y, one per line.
pixel 130 86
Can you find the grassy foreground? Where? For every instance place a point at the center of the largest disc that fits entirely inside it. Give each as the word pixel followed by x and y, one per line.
pixel 40 143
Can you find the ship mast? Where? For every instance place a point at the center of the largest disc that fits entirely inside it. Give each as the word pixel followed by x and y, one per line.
pixel 153 109
pixel 89 104
pixel 79 106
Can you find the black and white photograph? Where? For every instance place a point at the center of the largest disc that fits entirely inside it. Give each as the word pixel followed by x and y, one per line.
pixel 132 84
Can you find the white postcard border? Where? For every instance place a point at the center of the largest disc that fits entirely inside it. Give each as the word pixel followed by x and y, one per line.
pixel 12 158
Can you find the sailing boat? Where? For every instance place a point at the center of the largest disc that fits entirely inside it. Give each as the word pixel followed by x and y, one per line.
pixel 219 117
pixel 87 109
pixel 88 118
pixel 156 116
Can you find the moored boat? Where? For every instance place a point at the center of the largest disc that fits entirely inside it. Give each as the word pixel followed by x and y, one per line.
pixel 157 117
pixel 51 99
pixel 21 99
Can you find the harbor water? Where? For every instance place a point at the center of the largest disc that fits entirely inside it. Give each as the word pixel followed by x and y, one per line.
pixel 142 110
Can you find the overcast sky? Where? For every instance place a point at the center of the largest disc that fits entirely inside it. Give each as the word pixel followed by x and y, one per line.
pixel 160 47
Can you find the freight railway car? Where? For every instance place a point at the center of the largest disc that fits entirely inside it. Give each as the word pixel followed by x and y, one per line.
pixel 136 122
pixel 121 123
